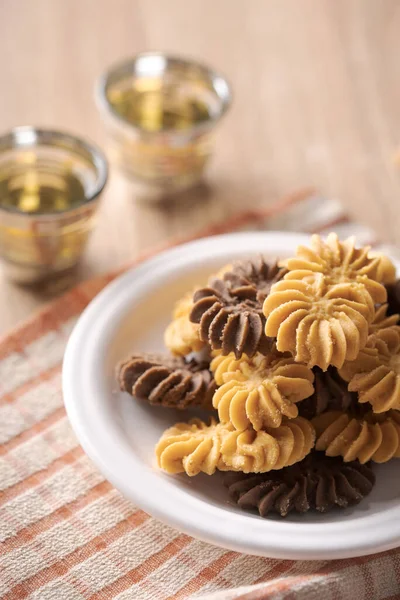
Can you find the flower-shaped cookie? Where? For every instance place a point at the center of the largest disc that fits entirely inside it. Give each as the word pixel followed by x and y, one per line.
pixel 317 482
pixel 182 336
pixel 196 447
pixel 371 437
pixel 167 381
pixel 383 319
pixel 320 326
pixel 256 274
pixel 295 437
pixel 340 262
pixel 386 271
pixel 229 310
pixel 259 391
pixel 375 374
pixel 190 448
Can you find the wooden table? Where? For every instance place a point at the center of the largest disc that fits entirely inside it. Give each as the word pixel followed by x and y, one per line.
pixel 316 101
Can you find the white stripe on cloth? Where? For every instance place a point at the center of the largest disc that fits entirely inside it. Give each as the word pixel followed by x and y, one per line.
pixel 38 356
pixel 138 591
pixel 126 553
pixel 61 591
pixel 15 370
pixel 66 536
pixel 30 408
pixel 246 569
pixel 61 488
pixel 185 566
pixel 37 453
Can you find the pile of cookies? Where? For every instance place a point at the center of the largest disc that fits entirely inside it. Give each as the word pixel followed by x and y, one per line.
pixel 298 363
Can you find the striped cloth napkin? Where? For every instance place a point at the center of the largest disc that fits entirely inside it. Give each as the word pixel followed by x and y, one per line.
pixel 67 534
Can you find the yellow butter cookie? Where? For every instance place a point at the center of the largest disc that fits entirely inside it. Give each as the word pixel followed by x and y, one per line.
pixel 340 262
pixel 296 438
pixel 192 448
pixel 259 391
pixel 196 447
pixel 318 325
pixel 249 451
pixel 372 437
pixel 382 320
pixel 182 336
pixel 375 374
pixel 386 271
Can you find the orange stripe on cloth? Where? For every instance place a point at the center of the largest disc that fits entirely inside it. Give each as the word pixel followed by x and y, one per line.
pixel 205 576
pixel 47 319
pixel 72 303
pixel 155 561
pixel 36 478
pixel 35 429
pixel 52 317
pixel 61 567
pixel 64 513
pixel 278 569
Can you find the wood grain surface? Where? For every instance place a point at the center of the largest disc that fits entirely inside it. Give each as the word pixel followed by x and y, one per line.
pixel 316 102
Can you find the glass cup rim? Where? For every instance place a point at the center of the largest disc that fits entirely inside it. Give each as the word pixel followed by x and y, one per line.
pixel 123 66
pixel 27 136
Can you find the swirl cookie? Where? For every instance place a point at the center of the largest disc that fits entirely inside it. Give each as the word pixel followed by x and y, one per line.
pixel 317 325
pixel 386 271
pixel 340 262
pixel 195 447
pixel 321 310
pixel 255 273
pixel 383 319
pixel 190 448
pixel 229 310
pixel 375 374
pixel 372 437
pixel 167 381
pixel 182 336
pixel 259 391
pixel 317 482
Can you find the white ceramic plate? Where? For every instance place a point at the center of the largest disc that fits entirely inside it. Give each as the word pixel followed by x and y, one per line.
pixel 119 434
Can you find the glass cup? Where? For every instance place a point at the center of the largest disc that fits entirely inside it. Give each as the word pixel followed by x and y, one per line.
pixel 50 183
pixel 160 113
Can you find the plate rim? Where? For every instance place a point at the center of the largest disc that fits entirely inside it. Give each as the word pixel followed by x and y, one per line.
pixel 234 531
